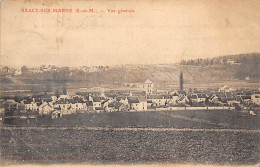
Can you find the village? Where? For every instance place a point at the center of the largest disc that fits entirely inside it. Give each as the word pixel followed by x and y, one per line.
pixel 147 98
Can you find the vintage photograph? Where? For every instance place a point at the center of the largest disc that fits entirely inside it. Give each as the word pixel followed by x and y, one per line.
pixel 147 82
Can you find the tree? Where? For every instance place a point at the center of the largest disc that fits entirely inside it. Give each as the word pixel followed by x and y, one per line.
pixel 181 81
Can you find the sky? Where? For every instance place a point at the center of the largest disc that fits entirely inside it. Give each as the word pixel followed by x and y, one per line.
pixel 156 32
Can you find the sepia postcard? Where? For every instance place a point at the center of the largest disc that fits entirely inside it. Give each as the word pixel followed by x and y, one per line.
pixel 130 83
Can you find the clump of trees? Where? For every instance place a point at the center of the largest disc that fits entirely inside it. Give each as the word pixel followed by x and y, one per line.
pixel 247 66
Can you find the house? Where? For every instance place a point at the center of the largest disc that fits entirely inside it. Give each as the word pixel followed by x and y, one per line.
pixel 104 104
pixel 183 99
pixel 54 99
pixel 87 98
pixel 116 106
pixel 174 98
pixel 194 98
pixel 56 114
pixel 96 103
pixel 225 88
pixel 89 105
pixel 11 104
pixel 110 107
pixel 121 106
pixel 201 97
pixel 221 95
pixel 62 104
pixel 77 103
pixel 30 104
pixel 255 98
pixel 160 100
pixel 133 103
pixel 137 103
pixel 231 61
pixel 244 98
pixel 213 98
pixel 45 108
pixel 150 103
pixel 122 99
pixel 142 103
pixel 148 87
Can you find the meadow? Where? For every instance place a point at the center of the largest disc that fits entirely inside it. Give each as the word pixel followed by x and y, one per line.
pixel 209 137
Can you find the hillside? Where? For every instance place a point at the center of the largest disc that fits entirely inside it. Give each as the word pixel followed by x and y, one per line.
pixel 200 71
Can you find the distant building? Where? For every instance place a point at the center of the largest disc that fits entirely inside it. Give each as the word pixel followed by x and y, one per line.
pixel 11 104
pixel 255 98
pixel 137 103
pixel 96 103
pixel 225 88
pixel 133 103
pixel 201 97
pixel 231 61
pixel 45 108
pixel 159 100
pixel 148 87
pixel 30 105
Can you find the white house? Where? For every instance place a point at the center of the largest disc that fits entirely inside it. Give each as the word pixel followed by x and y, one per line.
pixel 96 103
pixel 62 105
pixel 45 108
pixel 160 100
pixel 213 98
pixel 182 99
pixel 30 105
pixel 255 98
pixel 225 88
pixel 78 106
pixel 56 114
pixel 202 97
pixel 174 98
pixel 54 98
pixel 143 104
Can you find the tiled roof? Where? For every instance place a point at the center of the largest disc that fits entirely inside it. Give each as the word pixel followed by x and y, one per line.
pixel 142 99
pixel 148 81
pixel 202 96
pixel 193 96
pixel 133 100
pixel 175 94
pixel 111 105
pixel 28 101
pixel 118 104
pixel 96 99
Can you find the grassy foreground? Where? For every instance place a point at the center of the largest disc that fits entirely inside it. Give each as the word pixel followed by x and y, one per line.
pixel 41 144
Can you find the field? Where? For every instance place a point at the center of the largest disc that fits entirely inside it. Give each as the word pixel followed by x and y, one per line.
pixel 154 119
pixel 111 146
pixel 144 137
